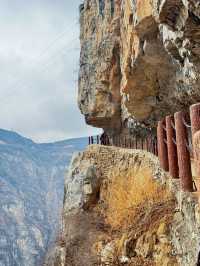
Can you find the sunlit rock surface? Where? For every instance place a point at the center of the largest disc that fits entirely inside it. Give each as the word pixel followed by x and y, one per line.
pixel 31 194
pixel 166 233
pixel 139 60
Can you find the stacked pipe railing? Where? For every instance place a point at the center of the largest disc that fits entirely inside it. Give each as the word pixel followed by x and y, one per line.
pixel 177 143
pixel 177 148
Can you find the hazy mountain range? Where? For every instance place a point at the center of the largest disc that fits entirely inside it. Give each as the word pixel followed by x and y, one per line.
pixel 31 193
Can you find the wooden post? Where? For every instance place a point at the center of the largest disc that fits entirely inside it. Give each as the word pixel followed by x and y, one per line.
pixel 171 147
pixel 184 162
pixel 162 146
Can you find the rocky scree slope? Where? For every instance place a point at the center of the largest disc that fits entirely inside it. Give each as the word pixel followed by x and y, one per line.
pixel 31 195
pixel 139 61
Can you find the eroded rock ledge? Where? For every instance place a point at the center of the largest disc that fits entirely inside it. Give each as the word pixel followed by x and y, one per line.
pixel 139 61
pixel 162 231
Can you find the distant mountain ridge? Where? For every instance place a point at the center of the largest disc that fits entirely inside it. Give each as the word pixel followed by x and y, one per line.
pixel 11 137
pixel 31 193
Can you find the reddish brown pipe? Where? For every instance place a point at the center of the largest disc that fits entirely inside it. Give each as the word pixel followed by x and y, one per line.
pixel 171 147
pixel 184 162
pixel 195 118
pixel 142 144
pixel 152 147
pixel 195 128
pixel 147 144
pixel 162 147
pixel 156 146
pixel 156 149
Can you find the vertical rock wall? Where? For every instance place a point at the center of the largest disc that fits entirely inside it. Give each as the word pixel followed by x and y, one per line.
pixel 139 61
pixel 100 73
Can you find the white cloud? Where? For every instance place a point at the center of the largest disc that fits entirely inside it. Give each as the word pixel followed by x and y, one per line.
pixel 39 55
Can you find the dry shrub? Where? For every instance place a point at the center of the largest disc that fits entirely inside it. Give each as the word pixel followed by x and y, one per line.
pixel 129 192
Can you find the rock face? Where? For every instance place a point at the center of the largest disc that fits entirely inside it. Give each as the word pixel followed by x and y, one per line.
pixel 139 61
pixel 31 195
pixel 100 74
pixel 165 233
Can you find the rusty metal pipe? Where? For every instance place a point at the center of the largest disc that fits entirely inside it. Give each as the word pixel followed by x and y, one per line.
pixel 162 147
pixel 171 148
pixel 195 117
pixel 184 162
pixel 195 128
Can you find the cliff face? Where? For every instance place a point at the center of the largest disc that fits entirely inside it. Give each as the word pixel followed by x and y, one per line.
pixel 100 73
pixel 120 208
pixel 31 194
pixel 139 61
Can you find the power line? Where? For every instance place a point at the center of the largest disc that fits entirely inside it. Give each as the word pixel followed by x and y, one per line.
pixel 45 51
pixel 26 84
pixel 51 44
pixel 21 82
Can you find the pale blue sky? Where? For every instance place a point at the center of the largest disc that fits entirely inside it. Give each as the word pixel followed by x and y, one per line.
pixel 39 56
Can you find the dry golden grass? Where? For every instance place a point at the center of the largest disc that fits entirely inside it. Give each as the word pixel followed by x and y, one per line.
pixel 128 193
